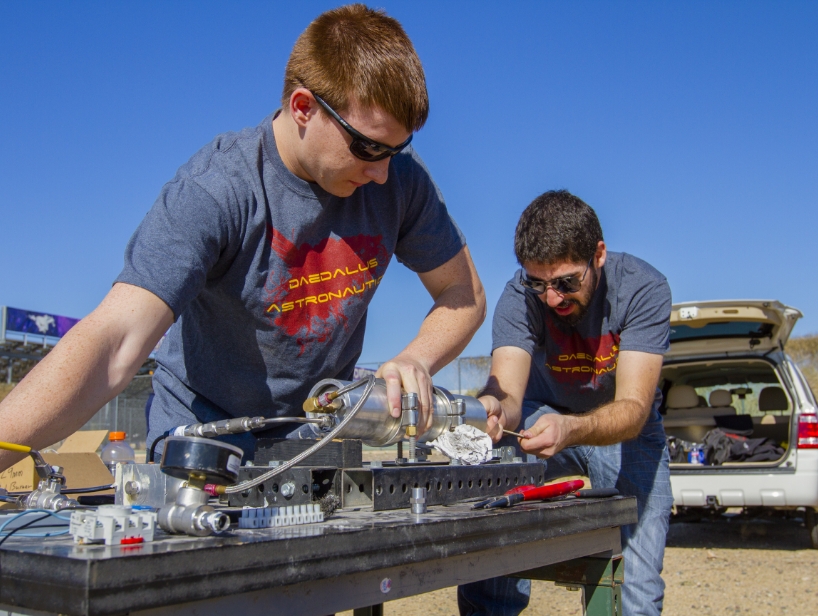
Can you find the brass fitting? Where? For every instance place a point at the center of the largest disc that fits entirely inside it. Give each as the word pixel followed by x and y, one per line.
pixel 313 405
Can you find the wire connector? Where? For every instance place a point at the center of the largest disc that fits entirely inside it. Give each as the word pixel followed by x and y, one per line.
pixel 273 517
pixel 112 525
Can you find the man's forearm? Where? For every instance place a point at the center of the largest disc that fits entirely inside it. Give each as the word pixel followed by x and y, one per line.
pixel 511 408
pixel 59 395
pixel 94 362
pixel 621 420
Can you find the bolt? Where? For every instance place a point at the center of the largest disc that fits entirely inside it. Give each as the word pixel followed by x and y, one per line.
pixel 288 489
pixel 132 488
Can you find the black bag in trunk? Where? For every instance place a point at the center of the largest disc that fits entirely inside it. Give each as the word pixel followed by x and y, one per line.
pixel 721 447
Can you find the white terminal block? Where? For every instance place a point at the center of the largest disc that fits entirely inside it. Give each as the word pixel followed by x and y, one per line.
pixel 272 517
pixel 113 525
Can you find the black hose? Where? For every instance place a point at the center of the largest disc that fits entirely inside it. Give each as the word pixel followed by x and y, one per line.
pixel 109 486
pixel 87 490
pixel 153 447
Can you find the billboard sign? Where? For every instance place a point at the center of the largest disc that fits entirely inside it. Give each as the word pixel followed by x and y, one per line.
pixel 37 323
pixel 361 372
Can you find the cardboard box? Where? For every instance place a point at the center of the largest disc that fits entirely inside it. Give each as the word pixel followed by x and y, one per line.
pixel 82 467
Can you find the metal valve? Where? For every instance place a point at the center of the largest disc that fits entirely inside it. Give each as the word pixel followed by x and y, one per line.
pixel 197 461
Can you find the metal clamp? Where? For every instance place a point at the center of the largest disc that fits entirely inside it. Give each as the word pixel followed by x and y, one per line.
pixel 457 411
pixel 409 418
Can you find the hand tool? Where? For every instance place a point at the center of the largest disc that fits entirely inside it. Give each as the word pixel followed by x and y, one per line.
pixel 531 492
pixel 596 493
pixel 540 493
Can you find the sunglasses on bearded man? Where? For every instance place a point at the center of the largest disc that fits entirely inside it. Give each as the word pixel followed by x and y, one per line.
pixel 362 147
pixel 563 285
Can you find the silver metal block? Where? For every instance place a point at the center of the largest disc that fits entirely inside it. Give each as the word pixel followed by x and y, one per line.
pixel 144 484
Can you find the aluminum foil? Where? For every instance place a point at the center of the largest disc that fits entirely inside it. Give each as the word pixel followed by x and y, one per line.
pixel 465 443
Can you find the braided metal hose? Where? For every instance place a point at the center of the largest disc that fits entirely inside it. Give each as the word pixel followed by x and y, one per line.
pixel 369 382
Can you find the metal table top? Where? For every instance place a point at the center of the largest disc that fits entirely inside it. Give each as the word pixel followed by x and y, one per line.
pixel 54 575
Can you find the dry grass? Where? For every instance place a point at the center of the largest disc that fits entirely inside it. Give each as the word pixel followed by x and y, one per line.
pixel 804 350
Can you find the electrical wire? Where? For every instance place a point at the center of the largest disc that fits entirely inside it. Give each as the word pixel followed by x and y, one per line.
pixel 46 512
pixel 369 383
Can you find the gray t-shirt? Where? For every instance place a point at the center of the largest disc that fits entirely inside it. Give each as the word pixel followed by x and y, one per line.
pixel 269 277
pixel 573 369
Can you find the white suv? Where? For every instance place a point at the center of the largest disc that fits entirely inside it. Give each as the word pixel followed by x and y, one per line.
pixel 727 359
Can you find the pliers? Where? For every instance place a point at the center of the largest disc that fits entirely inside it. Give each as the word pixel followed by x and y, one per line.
pixel 532 493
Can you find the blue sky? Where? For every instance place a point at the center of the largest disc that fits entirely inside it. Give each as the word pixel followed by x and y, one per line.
pixel 690 127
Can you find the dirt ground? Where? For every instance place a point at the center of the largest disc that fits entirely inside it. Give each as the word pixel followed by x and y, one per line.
pixel 756 567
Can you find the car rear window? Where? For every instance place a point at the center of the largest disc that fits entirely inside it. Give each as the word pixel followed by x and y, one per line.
pixel 730 329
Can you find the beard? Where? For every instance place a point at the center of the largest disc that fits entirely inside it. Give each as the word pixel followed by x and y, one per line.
pixel 582 303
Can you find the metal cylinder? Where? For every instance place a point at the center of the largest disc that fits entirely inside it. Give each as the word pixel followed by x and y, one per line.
pixel 376 427
pixel 418 500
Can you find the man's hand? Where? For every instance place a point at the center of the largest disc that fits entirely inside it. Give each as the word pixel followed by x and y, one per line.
pixel 548 436
pixel 496 421
pixel 637 374
pixel 405 373
pixel 459 309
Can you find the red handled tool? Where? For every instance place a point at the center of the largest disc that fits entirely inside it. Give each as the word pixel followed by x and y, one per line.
pixel 530 493
pixel 541 493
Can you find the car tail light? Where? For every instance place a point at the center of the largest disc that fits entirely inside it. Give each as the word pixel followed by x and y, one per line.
pixel 808 432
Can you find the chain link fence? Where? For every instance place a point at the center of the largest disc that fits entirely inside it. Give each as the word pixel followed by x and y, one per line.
pixel 126 413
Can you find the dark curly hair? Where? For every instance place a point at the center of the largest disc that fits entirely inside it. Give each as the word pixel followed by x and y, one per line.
pixel 557 227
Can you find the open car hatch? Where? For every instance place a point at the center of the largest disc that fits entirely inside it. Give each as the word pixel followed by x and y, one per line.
pixel 730 327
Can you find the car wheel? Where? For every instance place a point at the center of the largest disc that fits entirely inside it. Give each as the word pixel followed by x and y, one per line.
pixel 809 519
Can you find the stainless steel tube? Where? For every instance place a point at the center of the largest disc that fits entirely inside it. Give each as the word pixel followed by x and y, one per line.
pixel 376 427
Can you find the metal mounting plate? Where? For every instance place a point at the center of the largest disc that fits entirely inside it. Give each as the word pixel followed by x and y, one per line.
pixel 391 486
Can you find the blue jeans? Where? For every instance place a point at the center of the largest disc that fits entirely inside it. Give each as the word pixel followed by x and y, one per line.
pixel 636 468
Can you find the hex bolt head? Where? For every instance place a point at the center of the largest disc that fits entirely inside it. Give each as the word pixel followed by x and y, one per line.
pixel 288 489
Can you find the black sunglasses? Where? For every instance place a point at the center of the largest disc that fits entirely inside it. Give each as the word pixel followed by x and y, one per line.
pixel 563 285
pixel 362 146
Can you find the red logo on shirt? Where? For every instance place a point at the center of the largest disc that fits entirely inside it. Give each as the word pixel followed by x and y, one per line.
pixel 309 300
pixel 572 358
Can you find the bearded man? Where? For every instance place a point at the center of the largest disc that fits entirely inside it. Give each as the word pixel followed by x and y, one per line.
pixel 578 338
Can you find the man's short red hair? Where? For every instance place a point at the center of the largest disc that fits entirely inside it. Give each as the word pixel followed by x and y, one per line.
pixel 354 52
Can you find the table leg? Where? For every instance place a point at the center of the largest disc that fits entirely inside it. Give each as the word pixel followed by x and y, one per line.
pixel 600 579
pixel 372 610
